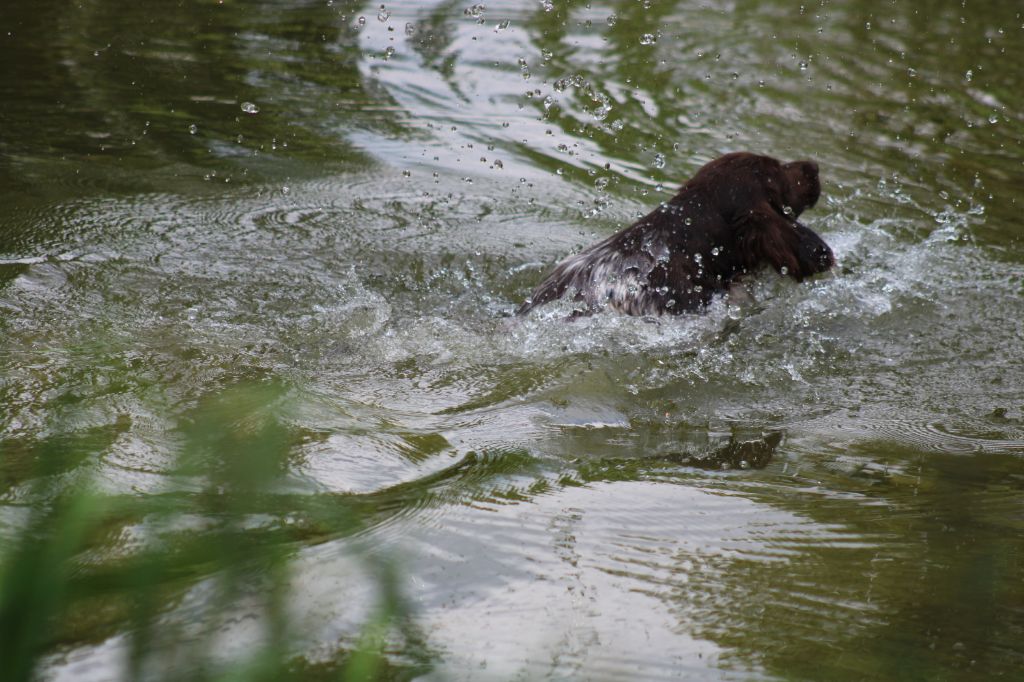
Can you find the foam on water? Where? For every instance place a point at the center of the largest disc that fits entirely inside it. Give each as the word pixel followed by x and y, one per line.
pixel 566 497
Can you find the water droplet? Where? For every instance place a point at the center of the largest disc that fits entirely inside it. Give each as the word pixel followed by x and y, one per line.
pixel 410 29
pixel 250 108
pixel 286 190
pixel 648 39
pixel 361 21
pixel 783 270
pixel 502 25
pixel 688 220
pixel 803 65
pixel 612 19
pixel 601 183
pixel 716 250
pixel 193 129
pixel 406 173
pixel 383 14
pixel 969 75
pixel 389 52
pixel 659 160
pixel 993 119
pixel 697 258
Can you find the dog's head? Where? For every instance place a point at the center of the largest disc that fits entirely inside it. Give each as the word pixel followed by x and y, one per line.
pixel 739 182
pixel 760 199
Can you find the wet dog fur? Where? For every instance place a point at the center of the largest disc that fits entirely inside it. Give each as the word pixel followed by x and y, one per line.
pixel 736 214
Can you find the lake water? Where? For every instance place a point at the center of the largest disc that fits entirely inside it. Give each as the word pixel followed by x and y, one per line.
pixel 319 216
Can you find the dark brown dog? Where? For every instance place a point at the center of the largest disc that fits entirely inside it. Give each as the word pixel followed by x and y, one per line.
pixel 735 215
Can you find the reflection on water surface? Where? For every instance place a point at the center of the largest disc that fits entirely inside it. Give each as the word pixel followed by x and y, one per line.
pixel 256 264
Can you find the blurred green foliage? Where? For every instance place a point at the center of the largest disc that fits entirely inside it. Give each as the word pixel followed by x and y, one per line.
pixel 67 575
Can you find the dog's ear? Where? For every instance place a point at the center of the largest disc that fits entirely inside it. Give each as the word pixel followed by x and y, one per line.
pixel 801 186
pixel 763 235
pixel 775 185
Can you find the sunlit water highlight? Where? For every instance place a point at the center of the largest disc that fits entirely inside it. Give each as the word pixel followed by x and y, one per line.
pixel 555 493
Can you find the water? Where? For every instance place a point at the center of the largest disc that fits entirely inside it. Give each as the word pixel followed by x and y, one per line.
pixel 344 202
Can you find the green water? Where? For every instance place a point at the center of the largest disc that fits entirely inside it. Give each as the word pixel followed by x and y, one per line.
pixel 264 415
